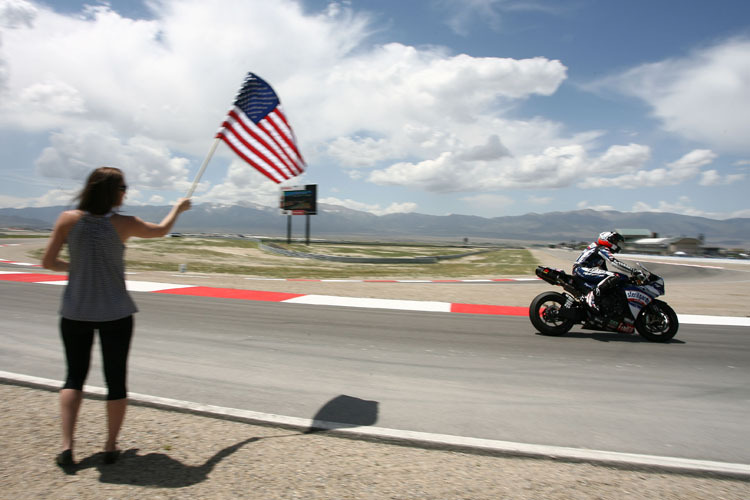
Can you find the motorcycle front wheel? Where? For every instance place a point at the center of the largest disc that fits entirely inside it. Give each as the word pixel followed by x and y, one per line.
pixel 657 322
pixel 544 313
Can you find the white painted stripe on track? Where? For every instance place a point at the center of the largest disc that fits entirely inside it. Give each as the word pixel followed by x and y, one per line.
pixel 405 305
pixel 132 286
pixel 414 437
pixel 150 286
pixel 697 319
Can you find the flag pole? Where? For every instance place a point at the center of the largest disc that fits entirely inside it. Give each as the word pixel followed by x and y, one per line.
pixel 203 167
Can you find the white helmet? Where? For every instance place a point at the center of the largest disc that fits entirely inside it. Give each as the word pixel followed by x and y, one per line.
pixel 611 240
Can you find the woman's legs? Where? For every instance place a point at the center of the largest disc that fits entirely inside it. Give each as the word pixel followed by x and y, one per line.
pixel 77 336
pixel 115 342
pixel 115 416
pixel 70 403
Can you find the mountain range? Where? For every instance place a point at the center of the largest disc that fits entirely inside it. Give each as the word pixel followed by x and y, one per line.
pixel 334 221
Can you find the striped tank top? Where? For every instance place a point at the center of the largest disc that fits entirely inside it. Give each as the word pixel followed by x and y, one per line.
pixel 96 276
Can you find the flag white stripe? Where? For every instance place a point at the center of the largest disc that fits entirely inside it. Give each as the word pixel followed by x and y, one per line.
pixel 262 147
pixel 229 134
pixel 288 150
pixel 278 143
pixel 273 142
pixel 269 144
pixel 291 144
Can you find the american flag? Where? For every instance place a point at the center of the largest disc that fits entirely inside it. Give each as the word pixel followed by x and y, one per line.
pixel 257 130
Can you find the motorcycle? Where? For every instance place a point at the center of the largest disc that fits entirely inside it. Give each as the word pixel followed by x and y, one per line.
pixel 631 306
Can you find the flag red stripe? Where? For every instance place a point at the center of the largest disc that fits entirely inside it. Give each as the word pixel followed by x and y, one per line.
pixel 248 152
pixel 268 163
pixel 242 155
pixel 284 136
pixel 268 128
pixel 262 139
pixel 293 142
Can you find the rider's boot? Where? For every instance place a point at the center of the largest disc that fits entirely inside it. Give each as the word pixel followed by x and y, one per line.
pixel 591 299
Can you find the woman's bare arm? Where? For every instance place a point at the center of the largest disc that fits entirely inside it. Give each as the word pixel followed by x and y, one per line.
pixel 134 226
pixel 51 259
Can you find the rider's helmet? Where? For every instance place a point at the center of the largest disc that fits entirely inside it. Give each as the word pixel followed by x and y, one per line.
pixel 611 240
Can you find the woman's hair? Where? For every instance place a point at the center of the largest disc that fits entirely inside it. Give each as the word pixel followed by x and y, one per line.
pixel 102 191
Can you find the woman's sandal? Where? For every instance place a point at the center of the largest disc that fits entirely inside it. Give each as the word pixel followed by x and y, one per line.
pixel 65 458
pixel 111 457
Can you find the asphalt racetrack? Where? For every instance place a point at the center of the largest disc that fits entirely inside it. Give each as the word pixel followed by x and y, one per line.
pixel 467 375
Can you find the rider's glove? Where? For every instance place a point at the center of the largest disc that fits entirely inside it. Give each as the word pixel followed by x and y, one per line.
pixel 639 276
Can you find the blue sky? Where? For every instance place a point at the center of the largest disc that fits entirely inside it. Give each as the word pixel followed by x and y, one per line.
pixel 477 107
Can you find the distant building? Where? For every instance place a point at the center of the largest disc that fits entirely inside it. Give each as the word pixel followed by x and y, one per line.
pixel 666 246
pixel 636 234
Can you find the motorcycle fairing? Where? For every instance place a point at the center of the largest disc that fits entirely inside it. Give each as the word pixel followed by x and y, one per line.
pixel 637 299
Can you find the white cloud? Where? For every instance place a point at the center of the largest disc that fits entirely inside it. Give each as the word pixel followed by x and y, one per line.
pixel 57 98
pixel 540 200
pixel 241 183
pixel 53 197
pixel 14 201
pixel 684 206
pixel 676 172
pixel 585 205
pixel 76 151
pixel 701 96
pixel 16 13
pixel 464 14
pixel 397 101
pixel 693 160
pixel 714 178
pixel 375 209
pixel 619 159
pixel 359 151
pixel 554 167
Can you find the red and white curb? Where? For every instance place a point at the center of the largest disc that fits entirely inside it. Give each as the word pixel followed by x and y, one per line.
pixel 290 298
pixel 330 300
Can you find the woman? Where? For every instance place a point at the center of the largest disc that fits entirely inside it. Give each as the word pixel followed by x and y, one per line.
pixel 96 298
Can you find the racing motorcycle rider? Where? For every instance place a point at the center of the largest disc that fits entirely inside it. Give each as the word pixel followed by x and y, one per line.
pixel 591 266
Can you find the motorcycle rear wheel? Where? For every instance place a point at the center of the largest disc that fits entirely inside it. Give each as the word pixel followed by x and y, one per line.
pixel 544 313
pixel 657 322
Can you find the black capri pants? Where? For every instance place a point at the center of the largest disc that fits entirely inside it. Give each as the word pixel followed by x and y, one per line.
pixel 114 337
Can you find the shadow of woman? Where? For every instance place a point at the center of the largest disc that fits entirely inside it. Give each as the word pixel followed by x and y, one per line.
pixel 156 469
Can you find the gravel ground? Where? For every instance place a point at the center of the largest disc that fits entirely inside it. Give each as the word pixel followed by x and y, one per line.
pixel 173 455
